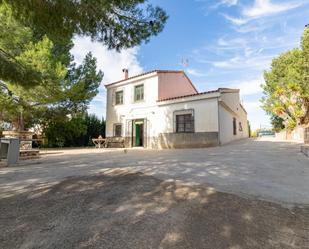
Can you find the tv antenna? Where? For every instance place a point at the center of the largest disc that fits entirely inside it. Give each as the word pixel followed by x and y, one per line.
pixel 184 62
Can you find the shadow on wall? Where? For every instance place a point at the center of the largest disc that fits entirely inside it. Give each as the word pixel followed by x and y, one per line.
pixel 121 210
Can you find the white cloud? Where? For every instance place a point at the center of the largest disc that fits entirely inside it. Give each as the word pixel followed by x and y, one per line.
pixel 265 7
pixel 110 62
pixel 232 43
pixel 229 2
pixel 210 5
pixel 241 62
pixel 248 87
pixel 256 115
pixel 262 8
pixel 195 72
pixel 235 20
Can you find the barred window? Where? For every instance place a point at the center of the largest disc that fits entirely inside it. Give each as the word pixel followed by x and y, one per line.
pixel 119 98
pixel 184 123
pixel 117 130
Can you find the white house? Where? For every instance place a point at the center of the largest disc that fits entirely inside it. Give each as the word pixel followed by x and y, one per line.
pixel 163 109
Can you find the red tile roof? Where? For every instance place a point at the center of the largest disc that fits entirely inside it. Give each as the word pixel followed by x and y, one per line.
pixel 149 72
pixel 197 94
pixel 186 96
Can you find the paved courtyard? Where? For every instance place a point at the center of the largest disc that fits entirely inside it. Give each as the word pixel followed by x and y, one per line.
pixel 270 170
pixel 249 194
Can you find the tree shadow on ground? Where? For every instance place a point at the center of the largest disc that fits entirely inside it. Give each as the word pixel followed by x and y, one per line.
pixel 125 210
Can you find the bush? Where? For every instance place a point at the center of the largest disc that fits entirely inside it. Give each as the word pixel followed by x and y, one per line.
pixel 74 132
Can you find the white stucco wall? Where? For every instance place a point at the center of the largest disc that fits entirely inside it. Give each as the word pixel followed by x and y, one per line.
pixel 205 115
pixel 226 118
pixel 129 109
pixel 213 112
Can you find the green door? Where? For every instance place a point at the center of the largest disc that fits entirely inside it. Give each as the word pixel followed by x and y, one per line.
pixel 139 133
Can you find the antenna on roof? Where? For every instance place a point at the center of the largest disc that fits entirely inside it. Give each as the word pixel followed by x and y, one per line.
pixel 184 62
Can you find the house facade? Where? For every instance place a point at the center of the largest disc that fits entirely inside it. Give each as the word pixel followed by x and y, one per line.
pixel 162 109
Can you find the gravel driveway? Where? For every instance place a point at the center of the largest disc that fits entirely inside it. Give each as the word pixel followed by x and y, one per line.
pixel 182 199
pixel 274 171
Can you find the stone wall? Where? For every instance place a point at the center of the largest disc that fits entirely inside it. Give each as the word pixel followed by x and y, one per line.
pixel 24 137
pixel 297 135
pixel 188 140
pixel 178 140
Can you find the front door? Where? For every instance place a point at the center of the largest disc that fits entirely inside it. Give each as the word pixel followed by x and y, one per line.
pixel 138 127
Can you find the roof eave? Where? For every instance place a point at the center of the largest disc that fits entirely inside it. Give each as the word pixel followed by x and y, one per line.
pixel 144 75
pixel 187 98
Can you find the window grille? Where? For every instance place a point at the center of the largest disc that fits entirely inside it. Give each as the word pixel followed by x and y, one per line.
pixel 184 123
pixel 117 130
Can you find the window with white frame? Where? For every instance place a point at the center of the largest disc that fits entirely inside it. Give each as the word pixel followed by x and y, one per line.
pixel 119 97
pixel 139 93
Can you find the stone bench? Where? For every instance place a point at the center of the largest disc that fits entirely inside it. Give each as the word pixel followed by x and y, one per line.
pixel 115 142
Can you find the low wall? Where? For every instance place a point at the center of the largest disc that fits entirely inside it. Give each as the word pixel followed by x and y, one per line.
pixel 296 135
pixel 179 140
pixel 188 140
pixel 306 135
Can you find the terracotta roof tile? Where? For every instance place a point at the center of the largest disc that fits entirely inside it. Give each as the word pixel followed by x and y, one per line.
pixel 145 73
pixel 197 94
pixel 189 95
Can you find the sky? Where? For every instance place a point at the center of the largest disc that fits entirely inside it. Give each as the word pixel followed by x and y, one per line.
pixel 218 43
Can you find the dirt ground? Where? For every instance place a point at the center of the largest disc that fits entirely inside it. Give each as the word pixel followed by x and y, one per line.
pixel 133 210
pixel 267 170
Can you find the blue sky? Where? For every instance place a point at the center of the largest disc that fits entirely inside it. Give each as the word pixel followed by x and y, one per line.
pixel 225 43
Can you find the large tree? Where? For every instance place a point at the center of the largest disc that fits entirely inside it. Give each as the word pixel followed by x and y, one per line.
pixel 115 23
pixel 41 103
pixel 286 89
pixel 52 85
pixel 25 59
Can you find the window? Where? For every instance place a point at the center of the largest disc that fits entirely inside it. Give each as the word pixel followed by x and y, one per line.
pixel 117 130
pixel 234 126
pixel 240 126
pixel 184 123
pixel 139 93
pixel 119 98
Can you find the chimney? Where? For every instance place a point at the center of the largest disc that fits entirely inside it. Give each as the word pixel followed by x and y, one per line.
pixel 126 73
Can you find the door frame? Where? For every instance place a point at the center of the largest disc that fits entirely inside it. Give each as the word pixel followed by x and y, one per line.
pixel 133 140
